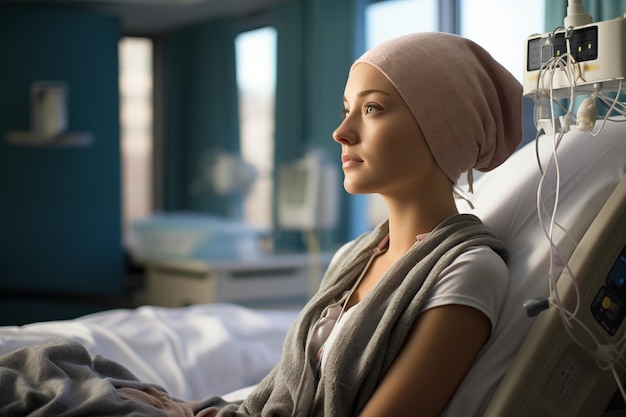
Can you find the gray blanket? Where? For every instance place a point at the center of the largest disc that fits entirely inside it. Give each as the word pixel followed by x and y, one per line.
pixel 62 379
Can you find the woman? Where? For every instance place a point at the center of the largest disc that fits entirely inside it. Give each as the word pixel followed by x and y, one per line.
pixel 404 311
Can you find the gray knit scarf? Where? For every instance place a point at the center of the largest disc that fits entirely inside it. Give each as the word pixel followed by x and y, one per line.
pixel 363 353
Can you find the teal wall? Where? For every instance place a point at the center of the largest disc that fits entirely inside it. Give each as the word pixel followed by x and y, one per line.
pixel 60 217
pixel 317 42
pixel 60 208
pixel 200 111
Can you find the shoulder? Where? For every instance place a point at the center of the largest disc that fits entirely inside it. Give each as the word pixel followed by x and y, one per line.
pixel 478 278
pixel 481 262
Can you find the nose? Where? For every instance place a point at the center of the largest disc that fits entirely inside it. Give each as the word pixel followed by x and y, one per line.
pixel 343 134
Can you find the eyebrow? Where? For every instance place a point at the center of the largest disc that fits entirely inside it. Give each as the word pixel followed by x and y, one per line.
pixel 368 92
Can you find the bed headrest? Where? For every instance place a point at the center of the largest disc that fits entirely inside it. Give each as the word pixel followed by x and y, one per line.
pixel 506 198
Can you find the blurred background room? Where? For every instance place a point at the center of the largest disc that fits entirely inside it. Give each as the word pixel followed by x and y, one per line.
pixel 174 152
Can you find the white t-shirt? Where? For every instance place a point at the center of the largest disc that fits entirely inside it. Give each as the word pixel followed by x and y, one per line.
pixel 477 278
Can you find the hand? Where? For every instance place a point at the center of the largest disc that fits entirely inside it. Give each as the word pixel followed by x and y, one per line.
pixel 161 400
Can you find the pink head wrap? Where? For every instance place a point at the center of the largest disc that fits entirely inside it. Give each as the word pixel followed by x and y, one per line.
pixel 468 106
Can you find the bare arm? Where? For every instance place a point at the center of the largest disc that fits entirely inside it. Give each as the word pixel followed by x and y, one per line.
pixel 438 353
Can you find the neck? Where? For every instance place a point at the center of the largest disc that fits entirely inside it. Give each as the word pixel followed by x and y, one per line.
pixel 407 221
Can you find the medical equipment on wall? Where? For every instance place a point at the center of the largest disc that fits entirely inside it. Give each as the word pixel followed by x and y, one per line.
pixel 228 176
pixel 308 194
pixel 581 58
pixel 576 372
pixel 308 201
pixel 225 172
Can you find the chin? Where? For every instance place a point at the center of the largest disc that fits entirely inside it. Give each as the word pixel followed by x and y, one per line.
pixel 355 189
pixel 355 184
pixel 351 190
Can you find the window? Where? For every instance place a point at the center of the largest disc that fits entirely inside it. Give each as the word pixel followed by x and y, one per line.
pixel 256 81
pixel 135 77
pixel 385 20
pixel 486 22
pixel 389 19
pixel 502 29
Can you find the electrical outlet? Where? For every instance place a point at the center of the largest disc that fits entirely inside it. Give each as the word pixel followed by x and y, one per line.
pixel 598 50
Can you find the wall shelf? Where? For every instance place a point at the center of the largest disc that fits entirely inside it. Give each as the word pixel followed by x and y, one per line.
pixel 69 139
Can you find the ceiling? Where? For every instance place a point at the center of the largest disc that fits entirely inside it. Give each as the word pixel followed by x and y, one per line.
pixel 149 17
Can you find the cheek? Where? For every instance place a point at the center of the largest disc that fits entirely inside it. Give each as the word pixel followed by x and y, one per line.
pixel 401 150
pixel 407 156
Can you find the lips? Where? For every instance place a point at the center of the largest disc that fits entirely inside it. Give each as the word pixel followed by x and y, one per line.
pixel 348 160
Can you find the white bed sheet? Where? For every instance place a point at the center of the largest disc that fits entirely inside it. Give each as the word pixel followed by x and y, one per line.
pixel 192 351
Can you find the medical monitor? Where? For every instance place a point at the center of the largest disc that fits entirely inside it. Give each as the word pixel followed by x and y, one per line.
pixel 308 194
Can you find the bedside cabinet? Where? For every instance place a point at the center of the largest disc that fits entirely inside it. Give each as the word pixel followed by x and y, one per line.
pixel 267 281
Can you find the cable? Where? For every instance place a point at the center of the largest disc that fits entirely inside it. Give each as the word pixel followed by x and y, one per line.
pixel 619 90
pixel 549 231
pixel 606 356
pixel 619 107
pixel 619 383
pixel 550 68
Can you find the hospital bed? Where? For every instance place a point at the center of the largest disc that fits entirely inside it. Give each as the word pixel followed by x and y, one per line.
pixel 219 348
pixel 558 372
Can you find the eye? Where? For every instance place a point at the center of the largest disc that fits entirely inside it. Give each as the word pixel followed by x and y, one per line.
pixel 344 112
pixel 370 108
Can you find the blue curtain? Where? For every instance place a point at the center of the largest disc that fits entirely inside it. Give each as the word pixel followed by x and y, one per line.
pixel 336 39
pixel 290 117
pixel 290 81
pixel 317 42
pixel 599 10
pixel 200 108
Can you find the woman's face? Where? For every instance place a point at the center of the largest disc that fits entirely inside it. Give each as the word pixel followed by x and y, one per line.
pixel 382 147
